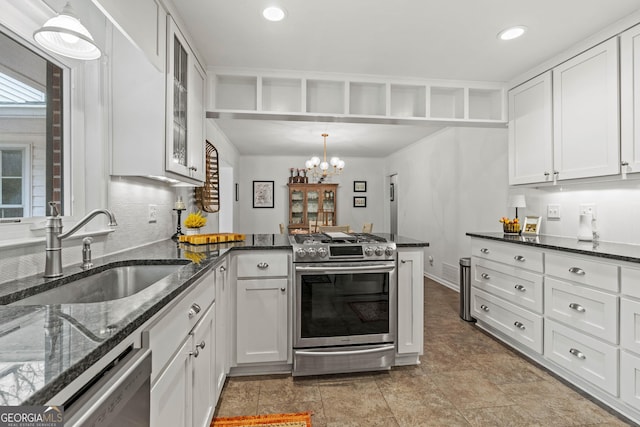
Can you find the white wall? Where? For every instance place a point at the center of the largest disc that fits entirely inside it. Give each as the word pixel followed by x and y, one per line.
pixel 451 183
pixel 276 168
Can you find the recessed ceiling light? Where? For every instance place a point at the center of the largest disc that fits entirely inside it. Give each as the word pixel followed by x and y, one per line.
pixel 273 13
pixel 512 33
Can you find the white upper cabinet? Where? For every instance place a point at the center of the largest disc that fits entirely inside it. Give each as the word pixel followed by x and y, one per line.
pixel 530 131
pixel 185 108
pixel 586 114
pixel 630 99
pixel 143 22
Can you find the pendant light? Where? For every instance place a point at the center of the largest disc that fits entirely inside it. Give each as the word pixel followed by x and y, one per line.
pixel 65 35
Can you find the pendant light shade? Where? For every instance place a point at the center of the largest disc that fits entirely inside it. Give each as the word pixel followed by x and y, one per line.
pixel 65 35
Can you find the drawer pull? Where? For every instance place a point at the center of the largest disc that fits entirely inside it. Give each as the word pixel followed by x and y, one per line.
pixel 484 307
pixel 519 258
pixel 520 288
pixel 263 265
pixel 223 269
pixel 201 345
pixel 195 309
pixel 485 276
pixel 577 270
pixel 577 353
pixel 484 250
pixel 519 325
pixel 283 289
pixel 577 307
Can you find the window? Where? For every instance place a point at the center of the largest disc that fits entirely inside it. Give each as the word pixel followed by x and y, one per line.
pixel 14 181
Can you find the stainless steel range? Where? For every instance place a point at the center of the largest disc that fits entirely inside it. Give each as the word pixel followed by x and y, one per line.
pixel 345 299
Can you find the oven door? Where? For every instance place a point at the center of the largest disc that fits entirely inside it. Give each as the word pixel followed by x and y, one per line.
pixel 344 303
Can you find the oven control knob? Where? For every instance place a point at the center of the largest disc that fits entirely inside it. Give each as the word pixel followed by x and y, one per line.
pixel 379 251
pixel 388 251
pixel 301 253
pixel 322 252
pixel 368 251
pixel 311 252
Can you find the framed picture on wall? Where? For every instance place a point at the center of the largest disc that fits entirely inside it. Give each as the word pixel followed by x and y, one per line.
pixel 359 186
pixel 531 225
pixel 263 194
pixel 359 202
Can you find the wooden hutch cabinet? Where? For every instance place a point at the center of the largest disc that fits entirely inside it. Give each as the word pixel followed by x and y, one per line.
pixel 311 205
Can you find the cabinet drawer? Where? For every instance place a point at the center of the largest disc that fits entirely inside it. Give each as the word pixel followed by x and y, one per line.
pixel 521 325
pixel 589 310
pixel 589 358
pixel 510 254
pixel 630 281
pixel 630 375
pixel 263 264
pixel 511 283
pixel 582 270
pixel 173 326
pixel 630 324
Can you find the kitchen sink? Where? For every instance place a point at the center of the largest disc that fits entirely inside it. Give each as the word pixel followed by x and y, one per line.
pixel 107 285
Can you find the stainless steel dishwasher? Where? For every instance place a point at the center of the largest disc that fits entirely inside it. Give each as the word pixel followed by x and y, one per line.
pixel 118 396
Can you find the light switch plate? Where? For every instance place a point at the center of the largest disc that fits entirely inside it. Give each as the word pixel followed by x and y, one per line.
pixel 553 211
pixel 153 213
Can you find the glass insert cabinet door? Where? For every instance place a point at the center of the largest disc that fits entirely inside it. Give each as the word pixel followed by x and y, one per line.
pixel 297 207
pixel 312 206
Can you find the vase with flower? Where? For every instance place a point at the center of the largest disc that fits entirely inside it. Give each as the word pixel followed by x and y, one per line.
pixel 193 222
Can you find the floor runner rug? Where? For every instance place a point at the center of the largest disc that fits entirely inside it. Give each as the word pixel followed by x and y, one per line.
pixel 300 419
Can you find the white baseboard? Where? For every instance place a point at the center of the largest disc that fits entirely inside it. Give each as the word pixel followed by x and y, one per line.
pixel 443 282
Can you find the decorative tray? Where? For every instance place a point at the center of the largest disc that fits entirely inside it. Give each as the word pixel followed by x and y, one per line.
pixel 205 239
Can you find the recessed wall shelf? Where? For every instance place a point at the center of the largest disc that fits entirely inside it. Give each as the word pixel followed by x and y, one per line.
pixel 353 98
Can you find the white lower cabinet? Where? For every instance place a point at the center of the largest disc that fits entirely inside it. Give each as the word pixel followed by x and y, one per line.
pixel 410 303
pixel 630 375
pixel 515 322
pixel 630 324
pixel 262 320
pixel 589 358
pixel 182 343
pixel 588 310
pixel 171 394
pixel 223 341
pixel 262 307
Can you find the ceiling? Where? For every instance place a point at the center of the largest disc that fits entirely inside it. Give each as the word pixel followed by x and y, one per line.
pixel 426 39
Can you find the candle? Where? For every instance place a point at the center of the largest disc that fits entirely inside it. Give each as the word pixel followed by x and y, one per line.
pixel 180 203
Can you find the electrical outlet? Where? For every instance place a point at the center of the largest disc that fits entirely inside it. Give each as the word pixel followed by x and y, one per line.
pixel 553 211
pixel 153 213
pixel 430 260
pixel 588 208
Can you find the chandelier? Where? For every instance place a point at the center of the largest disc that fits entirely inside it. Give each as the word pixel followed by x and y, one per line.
pixel 320 169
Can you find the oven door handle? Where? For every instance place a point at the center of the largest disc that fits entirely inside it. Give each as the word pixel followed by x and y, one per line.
pixel 329 268
pixel 380 349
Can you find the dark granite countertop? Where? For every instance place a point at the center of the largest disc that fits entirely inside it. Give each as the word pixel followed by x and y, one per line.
pixel 44 348
pixel 614 251
pixel 403 242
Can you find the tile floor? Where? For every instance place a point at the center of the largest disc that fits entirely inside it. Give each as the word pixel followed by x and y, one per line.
pixel 466 379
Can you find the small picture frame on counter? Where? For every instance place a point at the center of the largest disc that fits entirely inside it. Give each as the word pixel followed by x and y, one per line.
pixel 531 225
pixel 359 202
pixel 359 186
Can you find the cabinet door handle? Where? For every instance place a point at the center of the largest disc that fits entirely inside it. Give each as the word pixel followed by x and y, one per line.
pixel 519 325
pixel 485 276
pixel 404 261
pixel 577 270
pixel 484 307
pixel 520 288
pixel 577 353
pixel 223 269
pixel 519 258
pixel 546 174
pixel 202 345
pixel 577 307
pixel 263 265
pixel 195 309
pixel 623 163
pixel 484 250
pixel 283 289
pixel 195 353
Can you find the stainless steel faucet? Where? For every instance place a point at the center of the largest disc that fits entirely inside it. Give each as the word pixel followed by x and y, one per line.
pixel 53 260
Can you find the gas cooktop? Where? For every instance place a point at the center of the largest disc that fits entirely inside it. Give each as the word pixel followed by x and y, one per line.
pixel 337 238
